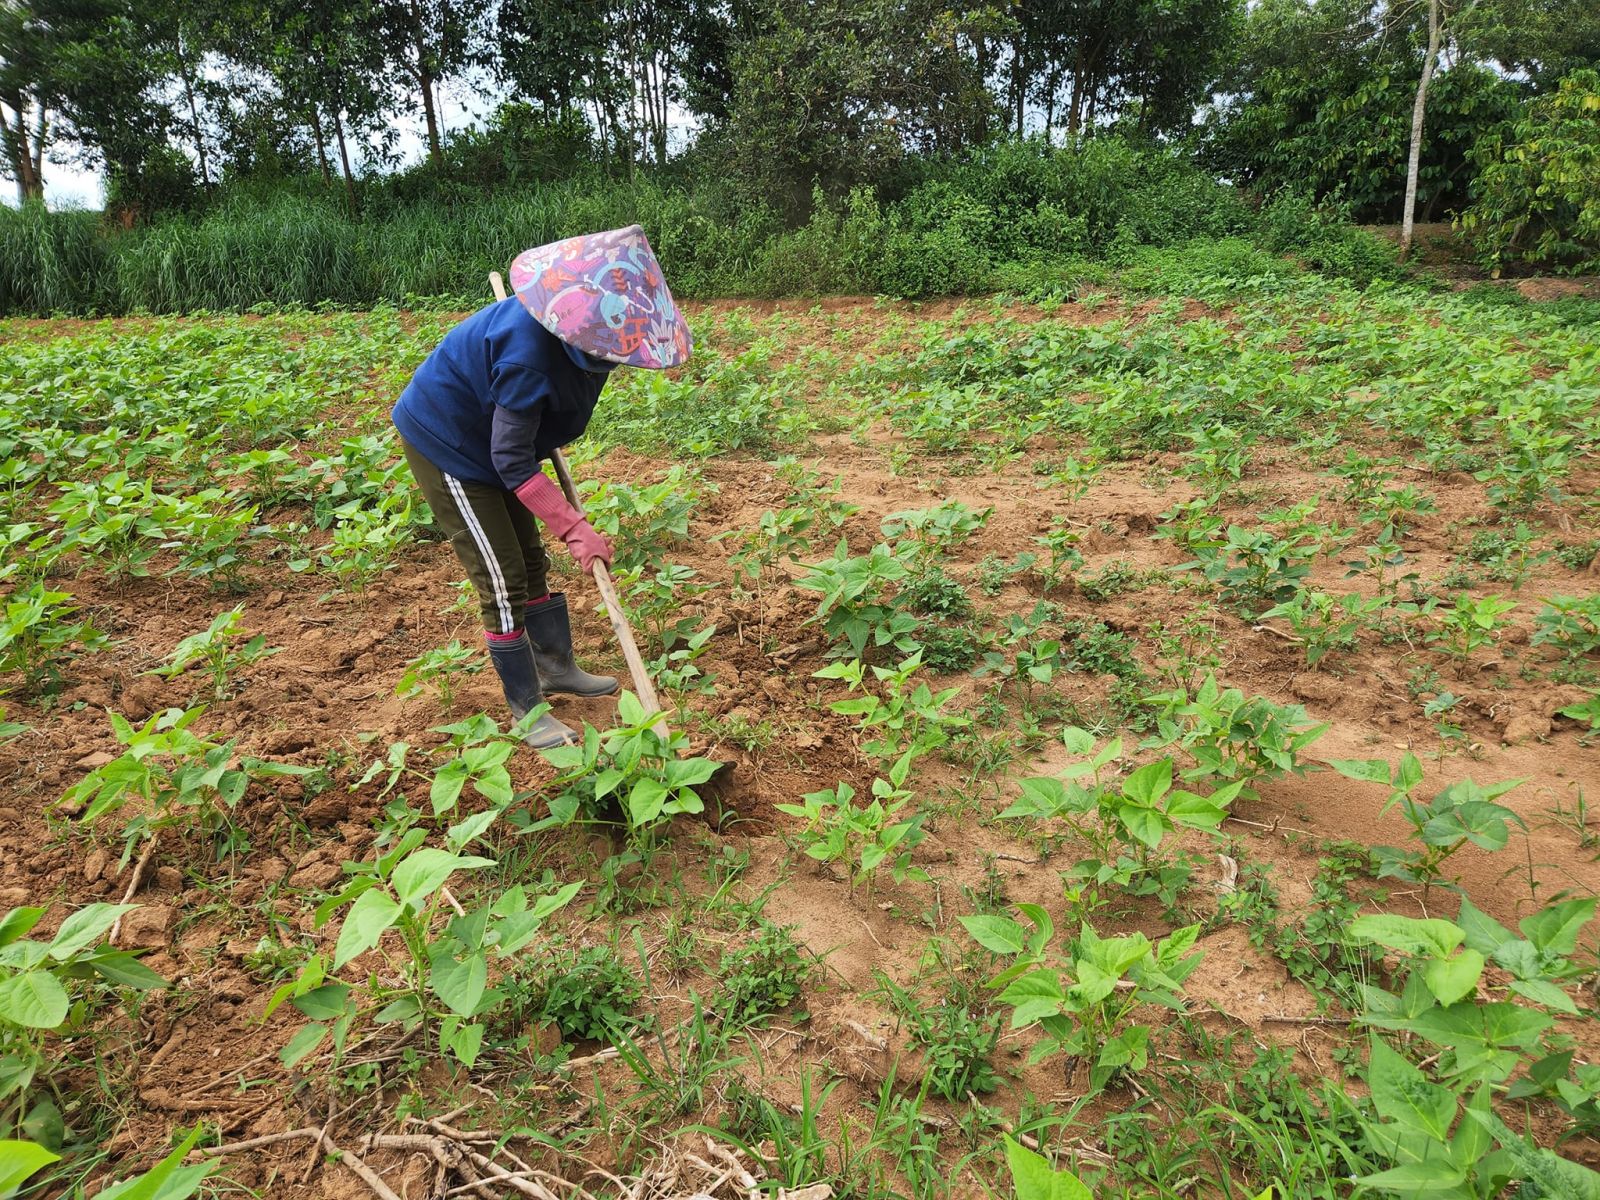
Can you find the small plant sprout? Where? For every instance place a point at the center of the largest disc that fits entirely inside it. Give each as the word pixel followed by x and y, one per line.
pixel 632 771
pixel 39 636
pixel 1469 625
pixel 1075 997
pixel 222 648
pixel 446 948
pixel 864 836
pixel 438 670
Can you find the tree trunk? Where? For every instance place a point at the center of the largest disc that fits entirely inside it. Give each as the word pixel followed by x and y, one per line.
pixel 1019 85
pixel 322 147
pixel 26 159
pixel 344 161
pixel 194 121
pixel 1414 160
pixel 425 80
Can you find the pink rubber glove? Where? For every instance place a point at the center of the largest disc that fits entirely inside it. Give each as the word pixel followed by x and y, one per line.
pixel 543 499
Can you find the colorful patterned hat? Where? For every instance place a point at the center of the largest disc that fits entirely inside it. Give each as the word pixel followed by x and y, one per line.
pixel 604 293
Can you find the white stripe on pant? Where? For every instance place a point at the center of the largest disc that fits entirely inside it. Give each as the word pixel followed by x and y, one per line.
pixel 502 596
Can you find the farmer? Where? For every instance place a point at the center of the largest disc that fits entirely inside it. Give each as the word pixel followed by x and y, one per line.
pixel 499 393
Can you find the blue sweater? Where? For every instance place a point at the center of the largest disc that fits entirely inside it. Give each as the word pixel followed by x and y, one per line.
pixel 496 396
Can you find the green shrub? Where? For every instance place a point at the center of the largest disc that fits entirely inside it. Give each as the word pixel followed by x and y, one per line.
pixel 1537 196
pixel 1323 238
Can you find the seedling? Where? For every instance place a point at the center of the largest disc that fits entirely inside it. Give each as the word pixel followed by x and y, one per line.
pixel 633 766
pixel 1464 812
pixel 906 719
pixel 1326 624
pixel 1254 567
pixel 437 671
pixel 1233 738
pixel 222 649
pixel 864 837
pixel 1075 998
pixel 856 606
pixel 186 781
pixel 445 970
pixel 1469 625
pixel 1570 623
pixel 763 977
pixel 39 637
pixel 51 989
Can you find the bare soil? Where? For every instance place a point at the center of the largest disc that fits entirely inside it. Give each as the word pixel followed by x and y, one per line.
pixel 328 698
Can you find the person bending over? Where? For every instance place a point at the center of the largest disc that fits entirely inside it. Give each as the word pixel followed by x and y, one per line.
pixel 505 387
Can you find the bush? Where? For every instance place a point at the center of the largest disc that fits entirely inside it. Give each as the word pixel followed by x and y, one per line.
pixel 1322 237
pixel 1015 214
pixel 1537 196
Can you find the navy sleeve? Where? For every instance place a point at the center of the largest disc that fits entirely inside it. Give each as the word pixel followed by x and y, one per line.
pixel 511 445
pixel 518 393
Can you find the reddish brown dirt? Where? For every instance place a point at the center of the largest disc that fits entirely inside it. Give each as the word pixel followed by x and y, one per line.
pixel 327 698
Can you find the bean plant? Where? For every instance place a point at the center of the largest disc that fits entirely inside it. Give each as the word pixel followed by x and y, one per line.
pixel 181 780
pixel 222 648
pixel 447 949
pixel 40 635
pixel 1077 995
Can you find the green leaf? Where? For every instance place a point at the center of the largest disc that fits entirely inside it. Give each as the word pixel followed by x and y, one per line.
pixel 1144 824
pixel 1413 935
pixel 447 784
pixel 121 968
pixel 19 1160
pixel 1403 1095
pixel 1542 991
pixel 1451 979
pixel 1555 929
pixel 425 870
pixel 306 1039
pixel 1365 770
pixel 34 1000
pixel 645 801
pixel 18 923
pixel 1033 996
pixel 1482 932
pixel 465 1042
pixel 459 983
pixel 85 928
pixel 170 1179
pixel 1149 783
pixel 999 935
pixel 1417 1179
pixel 371 914
pixel 470 829
pixel 324 1003
pixel 1034 1178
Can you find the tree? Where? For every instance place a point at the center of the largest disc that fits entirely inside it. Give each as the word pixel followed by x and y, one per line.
pixel 1413 158
pixel 836 94
pixel 26 90
pixel 432 40
pixel 1538 196
pixel 78 71
pixel 1320 97
pixel 329 66
pixel 1098 58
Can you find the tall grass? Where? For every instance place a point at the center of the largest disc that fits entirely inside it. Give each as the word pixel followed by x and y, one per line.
pixel 951 233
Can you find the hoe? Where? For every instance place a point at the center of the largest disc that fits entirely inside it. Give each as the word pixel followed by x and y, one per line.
pixel 643 687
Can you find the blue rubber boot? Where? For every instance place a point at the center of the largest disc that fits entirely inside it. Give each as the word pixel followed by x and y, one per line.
pixel 550 630
pixel 513 662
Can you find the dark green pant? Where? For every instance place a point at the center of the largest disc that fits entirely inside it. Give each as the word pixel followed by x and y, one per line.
pixel 494 536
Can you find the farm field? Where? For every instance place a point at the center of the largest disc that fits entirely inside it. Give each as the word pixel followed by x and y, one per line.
pixel 1163 714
